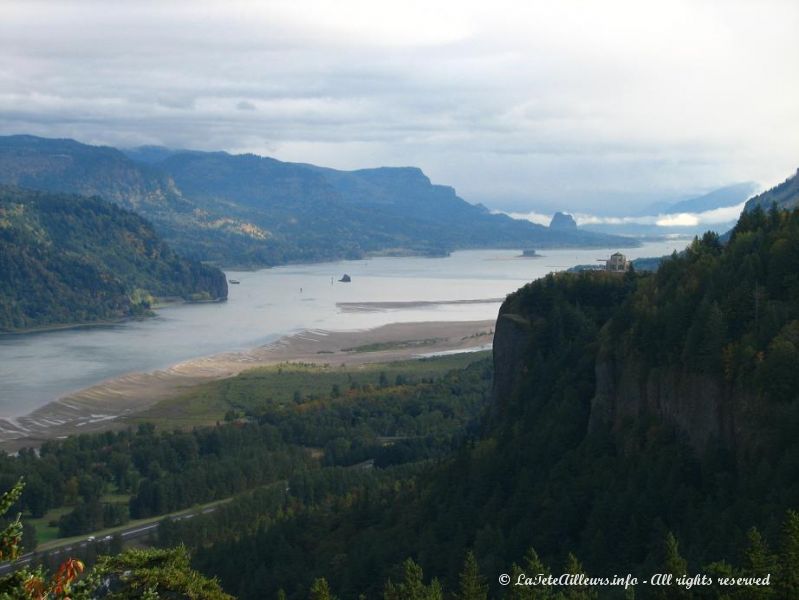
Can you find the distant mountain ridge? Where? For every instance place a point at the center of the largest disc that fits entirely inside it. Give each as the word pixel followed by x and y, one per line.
pixel 729 195
pixel 68 259
pixel 784 195
pixel 255 211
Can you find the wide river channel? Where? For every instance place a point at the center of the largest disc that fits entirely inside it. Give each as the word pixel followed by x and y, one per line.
pixel 37 368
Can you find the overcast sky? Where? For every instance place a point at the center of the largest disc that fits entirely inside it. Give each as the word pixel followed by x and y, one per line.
pixel 593 106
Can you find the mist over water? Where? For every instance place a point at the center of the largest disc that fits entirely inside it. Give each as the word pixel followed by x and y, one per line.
pixel 38 368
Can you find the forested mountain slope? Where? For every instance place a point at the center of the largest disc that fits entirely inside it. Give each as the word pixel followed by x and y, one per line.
pixel 251 210
pixel 784 195
pixel 644 422
pixel 71 259
pixel 625 408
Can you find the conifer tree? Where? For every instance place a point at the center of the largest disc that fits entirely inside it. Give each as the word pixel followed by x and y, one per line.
pixel 320 590
pixel 533 567
pixel 760 562
pixel 675 565
pixel 472 584
pixel 577 592
pixel 412 586
pixel 789 557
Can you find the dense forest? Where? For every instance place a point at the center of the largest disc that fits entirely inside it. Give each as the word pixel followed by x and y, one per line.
pixel 248 210
pixel 566 463
pixel 127 575
pixel 72 259
pixel 638 423
pixel 105 479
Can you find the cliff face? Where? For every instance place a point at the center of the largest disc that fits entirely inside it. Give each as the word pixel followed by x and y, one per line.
pixel 627 405
pixel 700 407
pixel 701 347
pixel 511 340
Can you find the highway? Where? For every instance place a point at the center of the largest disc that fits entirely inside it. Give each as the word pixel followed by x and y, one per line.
pixel 126 535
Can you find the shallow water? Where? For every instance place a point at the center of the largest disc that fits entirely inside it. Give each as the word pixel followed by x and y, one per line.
pixel 38 368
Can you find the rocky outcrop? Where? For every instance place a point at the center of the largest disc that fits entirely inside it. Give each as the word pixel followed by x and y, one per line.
pixel 701 408
pixel 510 342
pixel 562 221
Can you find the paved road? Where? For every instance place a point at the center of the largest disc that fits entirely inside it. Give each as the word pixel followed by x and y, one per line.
pixel 126 534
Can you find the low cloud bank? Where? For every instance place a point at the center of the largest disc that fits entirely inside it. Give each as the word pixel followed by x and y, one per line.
pixel 717 216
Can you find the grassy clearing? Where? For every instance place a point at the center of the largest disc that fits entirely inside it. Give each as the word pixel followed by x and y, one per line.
pixel 115 498
pixel 381 346
pixel 44 531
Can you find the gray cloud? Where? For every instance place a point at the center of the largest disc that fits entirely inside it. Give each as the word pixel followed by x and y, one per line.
pixel 523 106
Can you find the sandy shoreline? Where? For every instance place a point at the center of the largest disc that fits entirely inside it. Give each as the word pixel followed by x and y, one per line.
pixel 104 405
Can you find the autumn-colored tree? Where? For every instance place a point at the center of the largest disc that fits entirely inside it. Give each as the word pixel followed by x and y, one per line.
pixel 25 583
pixel 139 574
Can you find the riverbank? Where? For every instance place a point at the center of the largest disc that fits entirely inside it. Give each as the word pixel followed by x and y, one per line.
pixel 159 303
pixel 70 326
pixel 108 404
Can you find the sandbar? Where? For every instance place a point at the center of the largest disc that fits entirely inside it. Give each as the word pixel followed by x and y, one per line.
pixel 105 405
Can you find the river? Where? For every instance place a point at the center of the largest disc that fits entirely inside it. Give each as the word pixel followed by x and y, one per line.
pixel 37 368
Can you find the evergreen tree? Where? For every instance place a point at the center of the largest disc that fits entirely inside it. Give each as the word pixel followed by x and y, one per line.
pixel 533 567
pixel 472 584
pixel 576 592
pixel 675 565
pixel 412 586
pixel 513 591
pixel 320 590
pixel 758 562
pixel 788 585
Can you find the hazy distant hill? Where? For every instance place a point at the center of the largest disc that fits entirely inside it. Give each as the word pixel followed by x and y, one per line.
pixel 726 196
pixel 73 259
pixel 149 154
pixel 69 166
pixel 317 211
pixel 785 195
pixel 250 210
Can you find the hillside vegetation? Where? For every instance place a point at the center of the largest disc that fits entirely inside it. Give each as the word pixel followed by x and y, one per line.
pixel 784 195
pixel 645 423
pixel 70 259
pixel 638 423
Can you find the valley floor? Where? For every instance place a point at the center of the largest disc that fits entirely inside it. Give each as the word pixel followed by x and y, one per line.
pixel 118 401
